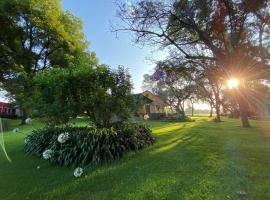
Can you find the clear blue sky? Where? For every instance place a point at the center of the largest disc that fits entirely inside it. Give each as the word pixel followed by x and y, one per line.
pixel 97 16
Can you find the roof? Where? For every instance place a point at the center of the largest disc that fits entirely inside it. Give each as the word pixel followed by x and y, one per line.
pixel 3 104
pixel 141 97
pixel 154 98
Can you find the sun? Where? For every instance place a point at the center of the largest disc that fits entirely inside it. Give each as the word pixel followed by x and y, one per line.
pixel 233 83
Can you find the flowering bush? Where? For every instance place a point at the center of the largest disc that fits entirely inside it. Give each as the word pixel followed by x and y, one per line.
pixel 81 146
pixel 28 121
pixel 47 154
pixel 63 137
pixel 78 172
pixel 15 130
pixel 26 140
pixel 146 117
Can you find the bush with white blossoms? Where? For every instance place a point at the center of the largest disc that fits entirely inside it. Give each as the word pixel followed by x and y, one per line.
pixel 47 154
pixel 28 120
pixel 15 130
pixel 26 140
pixel 78 172
pixel 109 91
pixel 63 137
pixel 83 146
pixel 146 117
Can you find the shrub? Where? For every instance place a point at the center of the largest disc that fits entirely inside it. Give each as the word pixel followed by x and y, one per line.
pixel 179 118
pixel 86 145
pixel 134 136
pixel 101 93
pixel 183 118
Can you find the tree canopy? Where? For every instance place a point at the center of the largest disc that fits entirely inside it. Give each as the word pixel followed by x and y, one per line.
pixel 104 95
pixel 36 35
pixel 224 38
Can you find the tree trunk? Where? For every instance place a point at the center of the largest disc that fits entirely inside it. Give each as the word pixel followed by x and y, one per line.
pixel 218 113
pixel 217 107
pixel 177 109
pixel 211 111
pixel 243 107
pixel 24 116
pixel 182 106
pixel 192 110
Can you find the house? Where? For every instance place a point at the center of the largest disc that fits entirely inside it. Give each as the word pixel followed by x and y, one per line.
pixel 153 105
pixel 8 110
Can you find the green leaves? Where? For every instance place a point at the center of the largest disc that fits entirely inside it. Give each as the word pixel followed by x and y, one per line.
pixel 103 94
pixel 38 34
pixel 86 145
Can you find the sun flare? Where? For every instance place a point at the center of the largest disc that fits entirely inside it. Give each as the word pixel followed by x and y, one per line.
pixel 233 83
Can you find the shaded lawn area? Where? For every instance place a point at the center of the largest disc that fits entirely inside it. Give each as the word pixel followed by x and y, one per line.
pixel 196 160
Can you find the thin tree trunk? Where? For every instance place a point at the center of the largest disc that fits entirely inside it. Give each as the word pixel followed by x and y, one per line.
pixel 24 116
pixel 217 106
pixel 183 109
pixel 192 110
pixel 218 113
pixel 243 107
pixel 211 110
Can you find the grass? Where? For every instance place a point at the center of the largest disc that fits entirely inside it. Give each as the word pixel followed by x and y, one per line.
pixel 196 160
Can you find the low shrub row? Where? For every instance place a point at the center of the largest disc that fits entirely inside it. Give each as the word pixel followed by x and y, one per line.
pixel 178 118
pixel 81 146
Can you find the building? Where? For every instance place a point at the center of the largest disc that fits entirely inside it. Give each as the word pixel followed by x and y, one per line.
pixel 8 110
pixel 153 105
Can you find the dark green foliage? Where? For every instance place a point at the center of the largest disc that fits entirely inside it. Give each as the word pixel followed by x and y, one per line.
pixel 134 136
pixel 88 145
pixel 8 124
pixel 183 118
pixel 178 118
pixel 37 142
pixel 104 95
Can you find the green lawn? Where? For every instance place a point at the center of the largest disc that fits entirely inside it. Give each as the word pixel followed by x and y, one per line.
pixel 196 160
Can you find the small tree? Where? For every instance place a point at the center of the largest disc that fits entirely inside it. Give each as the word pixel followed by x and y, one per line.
pixel 102 94
pixel 173 83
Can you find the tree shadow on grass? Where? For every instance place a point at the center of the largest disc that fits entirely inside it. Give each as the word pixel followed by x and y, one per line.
pixel 189 161
pixel 184 164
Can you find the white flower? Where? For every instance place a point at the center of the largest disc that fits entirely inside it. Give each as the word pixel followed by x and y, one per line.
pixel 28 120
pixel 26 140
pixel 109 91
pixel 47 154
pixel 78 172
pixel 146 117
pixel 15 130
pixel 38 167
pixel 63 137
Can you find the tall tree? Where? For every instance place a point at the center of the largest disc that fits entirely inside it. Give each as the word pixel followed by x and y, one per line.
pixel 35 35
pixel 173 83
pixel 222 33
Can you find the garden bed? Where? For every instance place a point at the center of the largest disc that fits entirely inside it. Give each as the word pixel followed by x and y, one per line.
pixel 82 146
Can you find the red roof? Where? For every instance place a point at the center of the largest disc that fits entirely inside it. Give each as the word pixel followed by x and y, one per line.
pixel 4 105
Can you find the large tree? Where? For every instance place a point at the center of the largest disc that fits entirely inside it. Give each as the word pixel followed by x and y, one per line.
pixel 173 83
pixel 35 35
pixel 232 36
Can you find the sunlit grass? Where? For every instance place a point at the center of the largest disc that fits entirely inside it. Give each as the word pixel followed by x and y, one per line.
pixel 196 160
pixel 2 142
